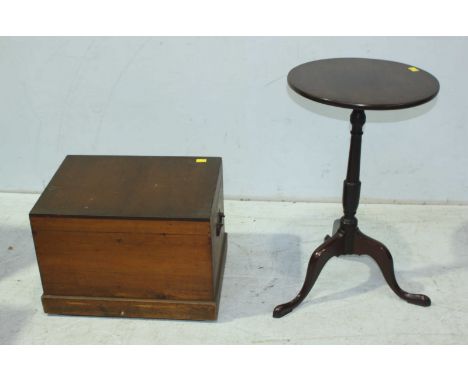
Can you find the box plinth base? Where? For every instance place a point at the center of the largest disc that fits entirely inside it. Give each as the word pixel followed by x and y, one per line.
pixel 124 307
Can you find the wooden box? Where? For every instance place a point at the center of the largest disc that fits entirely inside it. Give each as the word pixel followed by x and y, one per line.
pixel 132 236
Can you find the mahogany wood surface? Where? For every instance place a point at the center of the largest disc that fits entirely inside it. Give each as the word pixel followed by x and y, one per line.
pixel 363 83
pixel 124 264
pixel 131 187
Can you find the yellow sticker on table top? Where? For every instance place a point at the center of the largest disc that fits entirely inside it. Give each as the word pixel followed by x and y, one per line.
pixel 201 160
pixel 413 69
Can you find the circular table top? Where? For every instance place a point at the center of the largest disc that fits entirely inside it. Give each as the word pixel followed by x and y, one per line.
pixel 362 83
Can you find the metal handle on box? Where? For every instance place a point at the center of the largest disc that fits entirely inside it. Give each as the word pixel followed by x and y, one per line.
pixel 220 223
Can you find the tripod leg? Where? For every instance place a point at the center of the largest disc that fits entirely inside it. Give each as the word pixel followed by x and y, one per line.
pixel 336 227
pixel 365 245
pixel 319 258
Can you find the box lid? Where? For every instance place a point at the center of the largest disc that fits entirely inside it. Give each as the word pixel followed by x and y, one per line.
pixel 138 187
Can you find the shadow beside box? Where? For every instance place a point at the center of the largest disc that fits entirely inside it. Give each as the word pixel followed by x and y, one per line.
pixel 132 236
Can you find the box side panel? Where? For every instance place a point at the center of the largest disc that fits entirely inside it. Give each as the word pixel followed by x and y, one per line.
pixel 119 261
pixel 217 238
pixel 34 224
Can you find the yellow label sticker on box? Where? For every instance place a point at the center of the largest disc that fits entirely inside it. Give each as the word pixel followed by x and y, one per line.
pixel 413 69
pixel 200 160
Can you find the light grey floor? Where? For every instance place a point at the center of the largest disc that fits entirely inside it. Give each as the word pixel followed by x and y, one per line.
pixel 269 246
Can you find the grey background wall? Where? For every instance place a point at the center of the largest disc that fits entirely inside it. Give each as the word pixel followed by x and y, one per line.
pixel 228 97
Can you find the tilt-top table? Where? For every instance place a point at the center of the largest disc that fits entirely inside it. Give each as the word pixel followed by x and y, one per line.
pixel 359 84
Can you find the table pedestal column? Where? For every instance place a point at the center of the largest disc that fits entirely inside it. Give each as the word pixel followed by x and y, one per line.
pixel 346 237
